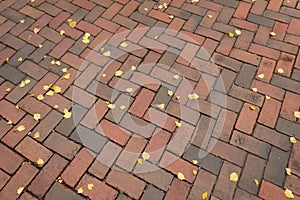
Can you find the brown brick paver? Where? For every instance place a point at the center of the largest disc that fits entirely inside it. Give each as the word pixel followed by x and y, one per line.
pixel 189 98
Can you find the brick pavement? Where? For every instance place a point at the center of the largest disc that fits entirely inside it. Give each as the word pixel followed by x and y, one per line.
pixel 158 89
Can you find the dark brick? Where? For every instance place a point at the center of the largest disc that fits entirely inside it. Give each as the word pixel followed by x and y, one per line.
pixel 59 191
pixel 260 20
pixel 12 74
pixel 286 83
pixel 287 127
pixel 12 41
pixel 245 76
pixel 152 193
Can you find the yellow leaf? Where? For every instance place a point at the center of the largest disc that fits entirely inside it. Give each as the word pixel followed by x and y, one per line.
pixel 161 106
pixel 22 21
pixel 37 116
pixel 261 76
pixel 297 114
pixel 252 107
pixel 31 95
pixel 68 115
pixel 230 34
pixel 56 89
pixel 176 77
pixel 6 59
pixel 280 71
pixel 140 161
pixel 27 81
pixel 293 140
pixel 102 49
pixel 90 186
pixel 124 44
pixel 171 16
pixel 55 106
pixel 22 84
pixel 62 32
pixel 170 92
pixel 289 194
pixel 146 9
pixel 57 63
pixel 256 181
pixel 8 90
pixel 193 96
pixel 20 59
pixel 59 180
pixel 195 1
pixel 145 155
pixel 195 172
pixel 122 107
pixel 64 70
pixel 180 176
pixel 129 90
pixel 40 161
pixel 133 67
pixel 36 30
pixel 52 62
pixel 111 106
pixel 106 54
pixel 85 40
pixel 118 73
pixel 36 135
pixel 20 190
pixel 47 87
pixel 178 124
pixel 69 20
pixel 195 162
pixel 204 196
pixel 103 75
pixel 237 32
pixel 21 128
pixel 272 34
pixel 40 97
pixel 17 107
pixel 288 171
pixel 67 76
pixel 267 97
pixel 209 16
pixel 234 177
pixel 73 24
pixel 40 45
pixel 50 93
pixel 254 89
pixel 165 5
pixel 9 122
pixel 80 190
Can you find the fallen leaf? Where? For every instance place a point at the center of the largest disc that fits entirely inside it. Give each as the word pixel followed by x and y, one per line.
pixel 31 95
pixel 171 16
pixel 209 16
pixel 204 196
pixel 20 190
pixel 52 62
pixel 176 77
pixel 40 45
pixel 129 90
pixel 50 93
pixel 103 75
pixel 17 107
pixel 22 21
pixel 37 116
pixel 195 162
pixel 146 9
pixel 261 76
pixel 256 181
pixel 40 97
pixel 234 177
pixel 180 176
pixel 124 44
pixel 118 73
pixel 122 107
pixel 36 135
pixel 145 155
pixel 293 140
pixel 9 122
pixel 56 89
pixel 59 180
pixel 85 40
pixel 20 59
pixel 178 124
pixel 288 171
pixel 55 106
pixel 272 34
pixel 67 115
pixel 102 49
pixel 111 106
pixel 231 35
pixel 90 186
pixel 170 93
pixel 106 54
pixel 47 87
pixel 64 70
pixel 252 107
pixel 267 97
pixel 238 32
pixel 57 63
pixel 36 30
pixel 161 106
pixel 195 172
pixel 21 128
pixel 40 161
pixel 62 32
pixel 72 24
pixel 165 5
pixel 297 114
pixel 254 89
pixel 80 190
pixel 7 89
pixel 22 84
pixel 195 1
pixel 193 96
pixel 133 67
pixel 280 70
pixel 289 194
pixel 140 161
pixel 67 76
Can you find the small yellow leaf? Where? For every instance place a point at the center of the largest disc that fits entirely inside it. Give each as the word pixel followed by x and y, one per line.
pixel 62 32
pixel 193 96
pixel 272 34
pixel 171 16
pixel 50 93
pixel 178 124
pixel 6 59
pixel 40 45
pixel 170 93
pixel 180 176
pixel 204 196
pixel 85 40
pixel 21 128
pixel 268 97
pixel 20 59
pixel 56 89
pixel 55 106
pixel 7 89
pixel 36 135
pixel 122 107
pixel 195 172
pixel 145 155
pixel 69 20
pixel 22 84
pixel 252 107
pixel 80 190
pixel 288 171
pixel 111 106
pixel 67 76
pixel 297 114
pixel 289 194
pixel 40 161
pixel 27 81
pixel 237 32
pixel 280 71
pixel 57 63
pixel 106 54
pixel 261 76
pixel 68 115
pixel 37 116
pixel 90 186
pixel 102 49
pixel 195 1
pixel 209 16
pixel 124 44
pixel 52 62
pixel 59 180
pixel 103 75
pixel 146 9
pixel 256 181
pixel 64 70
pixel 47 87
pixel 140 161
pixel 293 140
pixel 20 190
pixel 118 73
pixel 40 97
pixel 161 106
pixel 129 90
pixel 31 95
pixel 36 30
pixel 195 162
pixel 176 77
pixel 17 107
pixel 133 67
pixel 230 34
pixel 22 21
pixel 165 5
pixel 73 24
pixel 234 177
pixel 254 89
pixel 9 122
